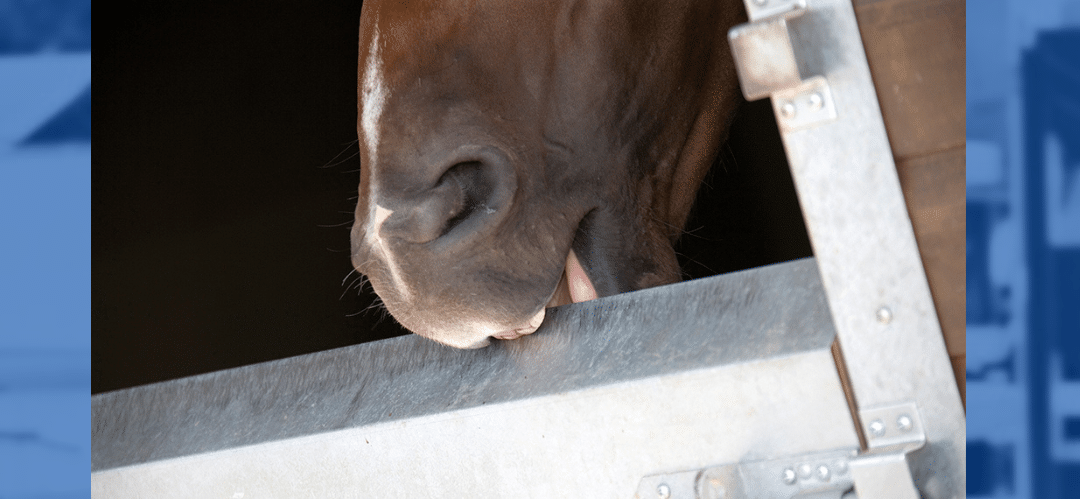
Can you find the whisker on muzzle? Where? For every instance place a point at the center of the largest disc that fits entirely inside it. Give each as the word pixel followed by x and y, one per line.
pixel 347 276
pixel 334 161
pixel 332 226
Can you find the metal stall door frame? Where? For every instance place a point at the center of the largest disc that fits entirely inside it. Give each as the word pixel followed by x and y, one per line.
pixel 720 387
pixel 807 55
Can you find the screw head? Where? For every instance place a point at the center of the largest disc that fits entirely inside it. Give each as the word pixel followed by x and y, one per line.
pixel 904 422
pixel 789 476
pixel 877 428
pixel 884 315
pixel 816 101
pixel 663 491
pixel 823 473
pixel 787 110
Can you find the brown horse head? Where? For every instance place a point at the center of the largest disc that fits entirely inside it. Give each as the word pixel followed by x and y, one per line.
pixel 520 155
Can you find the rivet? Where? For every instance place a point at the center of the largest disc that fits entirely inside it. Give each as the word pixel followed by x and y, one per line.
pixel 840 467
pixel 904 422
pixel 663 491
pixel 789 476
pixel 816 101
pixel 823 473
pixel 787 110
pixel 884 315
pixel 877 427
pixel 805 470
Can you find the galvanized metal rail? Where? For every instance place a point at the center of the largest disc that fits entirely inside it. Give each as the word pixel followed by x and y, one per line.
pixel 606 392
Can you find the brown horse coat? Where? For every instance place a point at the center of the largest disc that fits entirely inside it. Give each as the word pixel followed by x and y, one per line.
pixel 519 155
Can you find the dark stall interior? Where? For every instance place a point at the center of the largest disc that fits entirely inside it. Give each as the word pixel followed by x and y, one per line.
pixel 224 179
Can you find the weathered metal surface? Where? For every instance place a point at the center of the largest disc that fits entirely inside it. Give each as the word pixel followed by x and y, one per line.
pixel 704 372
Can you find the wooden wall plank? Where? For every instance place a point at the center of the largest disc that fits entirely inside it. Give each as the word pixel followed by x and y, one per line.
pixel 916 52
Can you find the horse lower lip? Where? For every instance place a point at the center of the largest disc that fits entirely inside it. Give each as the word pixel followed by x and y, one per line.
pixel 529 328
pixel 512 335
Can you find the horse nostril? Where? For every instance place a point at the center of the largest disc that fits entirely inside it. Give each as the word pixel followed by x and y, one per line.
pixel 475 189
pixel 461 193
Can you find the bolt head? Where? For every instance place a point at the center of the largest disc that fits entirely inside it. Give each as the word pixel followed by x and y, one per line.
pixel 904 422
pixel 787 110
pixel 884 315
pixel 877 428
pixel 663 491
pixel 789 476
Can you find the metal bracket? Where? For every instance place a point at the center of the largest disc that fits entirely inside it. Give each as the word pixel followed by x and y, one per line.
pixel 892 432
pixel 808 104
pixel 883 476
pixel 760 9
pixel 882 472
pixel 893 426
pixel 819 475
pixel 765 61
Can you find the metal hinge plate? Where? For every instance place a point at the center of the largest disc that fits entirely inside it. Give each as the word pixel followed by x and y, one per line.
pixel 766 63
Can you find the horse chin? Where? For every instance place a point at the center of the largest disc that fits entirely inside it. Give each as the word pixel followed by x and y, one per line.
pixel 573 287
